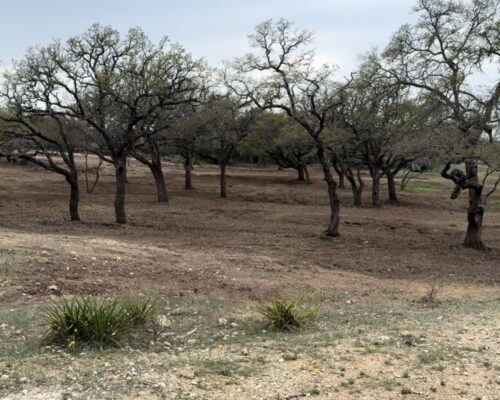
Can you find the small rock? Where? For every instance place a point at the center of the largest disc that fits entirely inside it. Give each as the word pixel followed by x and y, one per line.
pixel 245 352
pixel 382 340
pixel 222 322
pixel 52 288
pixel 4 377
pixel 159 386
pixel 186 373
pixel 23 380
pixel 163 322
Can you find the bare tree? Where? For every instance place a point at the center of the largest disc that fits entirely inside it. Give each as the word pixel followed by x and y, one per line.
pixel 442 55
pixel 283 77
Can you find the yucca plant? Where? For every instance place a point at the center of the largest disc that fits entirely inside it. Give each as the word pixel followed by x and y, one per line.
pixel 285 315
pixel 94 323
pixel 141 313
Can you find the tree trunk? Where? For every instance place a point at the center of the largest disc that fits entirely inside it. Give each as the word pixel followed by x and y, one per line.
pixel 357 187
pixel 375 174
pixel 391 185
pixel 188 166
pixel 308 177
pixel 223 182
pixel 300 173
pixel 74 197
pixel 161 187
pixel 474 227
pixel 333 226
pixel 475 211
pixel 341 179
pixel 121 182
pixel 340 172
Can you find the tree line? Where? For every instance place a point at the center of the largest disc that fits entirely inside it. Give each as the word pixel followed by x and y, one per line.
pixel 425 99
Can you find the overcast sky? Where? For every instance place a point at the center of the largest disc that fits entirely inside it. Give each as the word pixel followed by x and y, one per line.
pixel 214 29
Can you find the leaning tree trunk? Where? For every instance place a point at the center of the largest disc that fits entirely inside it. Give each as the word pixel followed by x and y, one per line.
pixel 223 182
pixel 161 187
pixel 308 177
pixel 391 186
pixel 333 226
pixel 376 175
pixel 339 169
pixel 188 167
pixel 120 164
pixel 475 211
pixel 357 187
pixel 74 197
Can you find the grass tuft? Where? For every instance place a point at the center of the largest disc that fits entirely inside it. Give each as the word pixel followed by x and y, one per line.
pixel 95 323
pixel 285 315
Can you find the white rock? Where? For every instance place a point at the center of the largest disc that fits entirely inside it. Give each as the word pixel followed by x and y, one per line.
pixel 159 385
pixel 163 322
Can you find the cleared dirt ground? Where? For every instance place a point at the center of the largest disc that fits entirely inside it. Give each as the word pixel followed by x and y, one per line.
pixel 212 257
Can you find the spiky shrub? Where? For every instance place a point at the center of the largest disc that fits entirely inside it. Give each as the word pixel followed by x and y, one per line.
pixel 141 313
pixel 285 315
pixel 94 323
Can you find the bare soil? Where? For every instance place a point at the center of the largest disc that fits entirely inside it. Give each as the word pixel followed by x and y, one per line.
pixel 264 240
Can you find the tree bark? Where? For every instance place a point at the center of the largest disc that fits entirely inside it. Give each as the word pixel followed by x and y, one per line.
pixel 333 226
pixel 223 182
pixel 308 177
pixel 120 163
pixel 474 227
pixel 74 197
pixel 340 172
pixel 161 187
pixel 188 167
pixel 357 187
pixel 375 174
pixel 391 186
pixel 475 211
pixel 300 173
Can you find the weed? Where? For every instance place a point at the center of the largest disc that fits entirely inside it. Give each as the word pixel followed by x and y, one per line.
pixel 431 296
pixel 369 350
pixel 430 357
pixel 389 384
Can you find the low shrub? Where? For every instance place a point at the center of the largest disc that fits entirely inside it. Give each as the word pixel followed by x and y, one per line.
pixel 95 323
pixel 141 313
pixel 285 315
